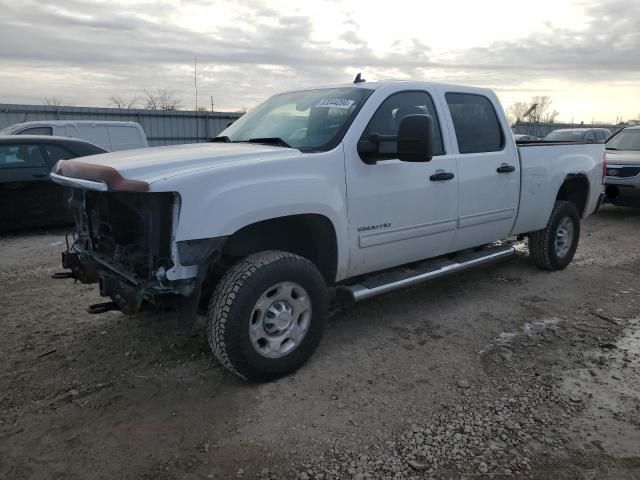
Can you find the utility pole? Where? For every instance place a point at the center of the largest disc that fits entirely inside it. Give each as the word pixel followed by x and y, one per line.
pixel 195 84
pixel 211 103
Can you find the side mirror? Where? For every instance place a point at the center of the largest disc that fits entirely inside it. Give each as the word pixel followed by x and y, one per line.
pixel 415 138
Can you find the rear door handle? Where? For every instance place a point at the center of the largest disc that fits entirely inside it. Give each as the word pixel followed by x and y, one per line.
pixel 441 176
pixel 504 168
pixel 40 175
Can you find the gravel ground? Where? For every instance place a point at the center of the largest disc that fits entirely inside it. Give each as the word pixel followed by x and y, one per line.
pixel 502 372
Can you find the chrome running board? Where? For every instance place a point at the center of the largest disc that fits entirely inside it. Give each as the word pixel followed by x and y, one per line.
pixel 427 270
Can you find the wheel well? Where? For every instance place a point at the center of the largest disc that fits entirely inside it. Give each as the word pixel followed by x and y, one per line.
pixel 575 189
pixel 311 236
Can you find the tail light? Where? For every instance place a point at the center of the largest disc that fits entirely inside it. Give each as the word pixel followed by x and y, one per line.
pixel 604 167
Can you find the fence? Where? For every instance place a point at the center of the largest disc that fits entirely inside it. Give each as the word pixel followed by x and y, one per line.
pixel 161 127
pixel 542 129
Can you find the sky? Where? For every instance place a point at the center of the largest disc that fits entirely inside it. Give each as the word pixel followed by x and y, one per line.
pixel 585 54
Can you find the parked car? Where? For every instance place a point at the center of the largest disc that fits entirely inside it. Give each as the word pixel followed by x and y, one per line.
pixel 623 167
pixel 27 197
pixel 112 136
pixel 519 137
pixel 341 192
pixel 594 135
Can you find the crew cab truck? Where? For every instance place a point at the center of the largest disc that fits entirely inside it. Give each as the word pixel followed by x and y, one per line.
pixel 324 194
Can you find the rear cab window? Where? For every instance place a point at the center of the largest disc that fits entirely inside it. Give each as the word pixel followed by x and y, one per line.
pixel 475 122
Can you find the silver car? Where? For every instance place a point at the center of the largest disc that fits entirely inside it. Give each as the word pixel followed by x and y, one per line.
pixel 593 135
pixel 623 167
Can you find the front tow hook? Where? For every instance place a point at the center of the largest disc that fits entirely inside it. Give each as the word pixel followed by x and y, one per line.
pixel 62 275
pixel 102 307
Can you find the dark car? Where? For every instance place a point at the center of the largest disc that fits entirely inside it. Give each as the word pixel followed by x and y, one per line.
pixel 27 197
pixel 593 135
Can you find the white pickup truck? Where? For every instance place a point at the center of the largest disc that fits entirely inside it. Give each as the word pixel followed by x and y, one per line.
pixel 325 194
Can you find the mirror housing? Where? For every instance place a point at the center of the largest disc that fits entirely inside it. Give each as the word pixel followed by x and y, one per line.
pixel 415 138
pixel 414 142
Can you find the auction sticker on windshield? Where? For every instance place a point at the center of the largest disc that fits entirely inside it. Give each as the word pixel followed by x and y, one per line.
pixel 335 103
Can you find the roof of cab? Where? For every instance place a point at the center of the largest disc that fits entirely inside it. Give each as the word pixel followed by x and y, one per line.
pixel 385 83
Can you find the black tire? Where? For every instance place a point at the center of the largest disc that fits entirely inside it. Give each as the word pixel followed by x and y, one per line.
pixel 232 306
pixel 542 244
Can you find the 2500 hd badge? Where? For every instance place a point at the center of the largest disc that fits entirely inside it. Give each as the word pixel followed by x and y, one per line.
pixel 373 227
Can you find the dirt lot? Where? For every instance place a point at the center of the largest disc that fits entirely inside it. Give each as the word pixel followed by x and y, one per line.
pixel 503 372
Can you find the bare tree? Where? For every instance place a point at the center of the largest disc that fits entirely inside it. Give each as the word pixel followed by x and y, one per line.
pixel 516 111
pixel 120 102
pixel 52 101
pixel 537 110
pixel 542 105
pixel 161 100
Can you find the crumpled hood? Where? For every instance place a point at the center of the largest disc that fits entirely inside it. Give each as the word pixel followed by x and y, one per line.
pixel 153 164
pixel 623 157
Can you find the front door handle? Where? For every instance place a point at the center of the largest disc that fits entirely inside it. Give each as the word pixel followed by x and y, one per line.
pixel 40 175
pixel 441 176
pixel 504 168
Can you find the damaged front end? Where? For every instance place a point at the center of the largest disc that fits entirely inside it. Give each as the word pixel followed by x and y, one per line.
pixel 124 241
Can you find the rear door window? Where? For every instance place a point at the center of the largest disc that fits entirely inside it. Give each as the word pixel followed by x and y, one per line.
pixel 475 122
pixel 21 156
pixel 36 131
pixel 590 136
pixel 56 152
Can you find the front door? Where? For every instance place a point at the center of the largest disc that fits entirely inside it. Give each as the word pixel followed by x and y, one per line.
pixel 25 189
pixel 488 168
pixel 400 212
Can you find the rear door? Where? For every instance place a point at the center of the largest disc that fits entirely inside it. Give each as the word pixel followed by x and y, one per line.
pixel 488 169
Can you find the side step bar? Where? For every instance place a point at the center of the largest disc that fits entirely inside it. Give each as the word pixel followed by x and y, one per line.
pixel 427 270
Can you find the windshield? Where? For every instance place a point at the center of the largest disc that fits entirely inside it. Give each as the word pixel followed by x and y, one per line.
pixel 308 120
pixel 566 136
pixel 625 140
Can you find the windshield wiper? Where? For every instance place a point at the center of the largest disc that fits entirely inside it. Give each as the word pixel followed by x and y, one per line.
pixel 222 139
pixel 270 141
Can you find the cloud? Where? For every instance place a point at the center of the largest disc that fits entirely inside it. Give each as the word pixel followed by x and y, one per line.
pixel 84 52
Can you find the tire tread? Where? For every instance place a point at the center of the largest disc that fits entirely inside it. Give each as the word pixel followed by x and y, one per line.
pixel 224 295
pixel 540 241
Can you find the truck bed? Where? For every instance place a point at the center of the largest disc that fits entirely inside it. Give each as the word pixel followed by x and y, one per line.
pixel 541 177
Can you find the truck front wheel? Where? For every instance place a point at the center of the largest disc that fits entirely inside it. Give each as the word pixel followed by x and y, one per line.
pixel 267 315
pixel 554 247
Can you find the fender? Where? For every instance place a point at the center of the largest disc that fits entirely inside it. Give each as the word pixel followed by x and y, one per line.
pixel 219 202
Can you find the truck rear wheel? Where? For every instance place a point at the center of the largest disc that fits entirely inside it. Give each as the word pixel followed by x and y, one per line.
pixel 267 315
pixel 554 247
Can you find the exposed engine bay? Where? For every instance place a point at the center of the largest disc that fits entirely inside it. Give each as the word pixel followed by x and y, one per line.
pixel 122 241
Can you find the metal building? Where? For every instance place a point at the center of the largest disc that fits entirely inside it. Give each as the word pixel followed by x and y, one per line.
pixel 161 127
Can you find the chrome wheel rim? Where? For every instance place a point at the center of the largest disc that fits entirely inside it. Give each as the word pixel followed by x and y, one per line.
pixel 280 319
pixel 564 237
